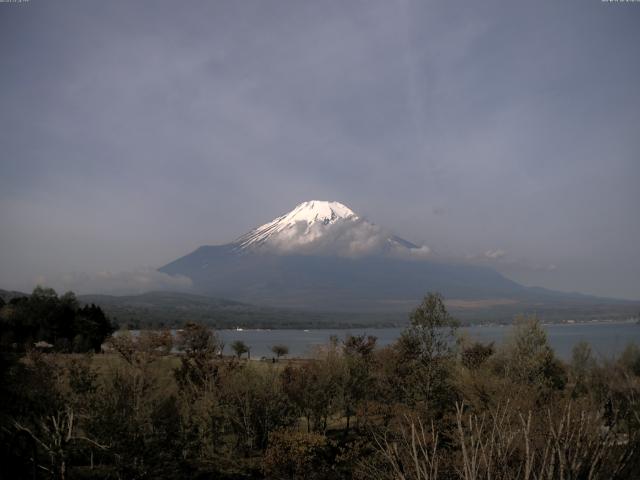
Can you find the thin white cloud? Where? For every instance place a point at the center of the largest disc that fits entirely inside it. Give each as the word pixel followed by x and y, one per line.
pixel 135 281
pixel 419 253
pixel 495 254
pixel 346 238
pixel 349 238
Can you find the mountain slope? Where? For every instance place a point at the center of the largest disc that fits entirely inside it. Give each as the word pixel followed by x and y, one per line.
pixel 327 283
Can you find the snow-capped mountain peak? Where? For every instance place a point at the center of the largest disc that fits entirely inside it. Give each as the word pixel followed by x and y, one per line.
pixel 298 225
pixel 325 228
pixel 317 211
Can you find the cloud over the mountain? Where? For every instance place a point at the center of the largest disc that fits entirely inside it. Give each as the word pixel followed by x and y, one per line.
pixel 419 253
pixel 136 281
pixel 503 261
pixel 348 238
pixel 351 237
pixel 495 254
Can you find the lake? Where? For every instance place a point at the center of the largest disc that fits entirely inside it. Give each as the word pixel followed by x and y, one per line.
pixel 607 339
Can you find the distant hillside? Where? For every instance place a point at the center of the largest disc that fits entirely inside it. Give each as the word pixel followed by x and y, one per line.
pixel 173 309
pixel 7 295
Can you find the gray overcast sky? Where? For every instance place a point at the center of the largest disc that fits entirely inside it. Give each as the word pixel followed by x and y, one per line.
pixel 505 133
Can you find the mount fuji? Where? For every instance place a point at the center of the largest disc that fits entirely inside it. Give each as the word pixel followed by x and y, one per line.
pixel 323 256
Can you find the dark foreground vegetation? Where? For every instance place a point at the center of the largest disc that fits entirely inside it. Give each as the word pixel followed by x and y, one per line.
pixel 431 406
pixel 46 321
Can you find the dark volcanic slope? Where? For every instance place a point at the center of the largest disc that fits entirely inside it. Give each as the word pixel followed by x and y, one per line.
pixel 372 283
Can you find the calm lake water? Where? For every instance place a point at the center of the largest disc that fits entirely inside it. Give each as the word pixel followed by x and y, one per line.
pixel 606 339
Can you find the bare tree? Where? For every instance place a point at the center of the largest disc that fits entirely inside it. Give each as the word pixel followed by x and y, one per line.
pixel 411 454
pixel 57 435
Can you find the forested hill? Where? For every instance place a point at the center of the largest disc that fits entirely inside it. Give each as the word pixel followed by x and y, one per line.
pixel 7 295
pixel 46 320
pixel 173 309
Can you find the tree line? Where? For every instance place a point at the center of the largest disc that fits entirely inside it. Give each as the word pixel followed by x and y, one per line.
pixel 48 321
pixel 433 405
